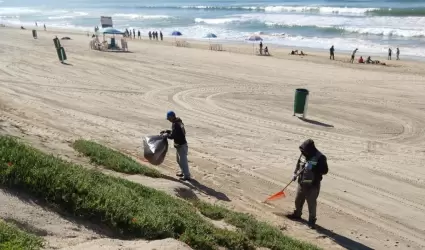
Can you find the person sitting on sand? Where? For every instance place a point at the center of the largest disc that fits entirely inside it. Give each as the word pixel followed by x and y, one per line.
pixel 266 51
pixel 369 60
pixel 361 59
pixel 22 28
pixel 302 53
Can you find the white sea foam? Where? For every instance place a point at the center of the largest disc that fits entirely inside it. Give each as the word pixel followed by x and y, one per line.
pixel 139 16
pixel 327 10
pixel 8 11
pixel 69 15
pixel 216 20
pixel 288 8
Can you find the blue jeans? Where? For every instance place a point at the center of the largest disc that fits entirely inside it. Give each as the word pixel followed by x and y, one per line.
pixel 181 157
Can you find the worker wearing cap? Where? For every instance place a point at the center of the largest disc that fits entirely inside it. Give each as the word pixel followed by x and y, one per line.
pixel 178 134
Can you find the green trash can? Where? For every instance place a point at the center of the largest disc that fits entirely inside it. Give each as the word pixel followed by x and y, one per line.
pixel 57 43
pixel 61 54
pixel 300 102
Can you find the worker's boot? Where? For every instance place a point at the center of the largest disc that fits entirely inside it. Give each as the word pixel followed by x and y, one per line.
pixel 294 216
pixel 312 223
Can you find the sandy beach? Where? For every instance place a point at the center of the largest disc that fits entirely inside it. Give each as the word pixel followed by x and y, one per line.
pixel 238 113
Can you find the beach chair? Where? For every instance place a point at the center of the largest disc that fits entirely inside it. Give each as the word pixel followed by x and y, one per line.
pixel 124 44
pixel 185 44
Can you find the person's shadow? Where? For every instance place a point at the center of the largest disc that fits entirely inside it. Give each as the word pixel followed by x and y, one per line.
pixel 194 184
pixel 337 238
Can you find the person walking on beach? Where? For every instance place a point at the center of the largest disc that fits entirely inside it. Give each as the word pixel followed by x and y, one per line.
pixel 353 55
pixel 178 134
pixel 332 53
pixel 160 34
pixel 261 48
pixel 150 35
pixel 398 54
pixel 156 35
pixel 45 27
pixel 138 34
pixel 310 168
pixel 390 51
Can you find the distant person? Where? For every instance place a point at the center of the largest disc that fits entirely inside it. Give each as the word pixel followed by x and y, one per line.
pixel 310 168
pixel 390 51
pixel 138 34
pixel 134 33
pixel 160 34
pixel 261 48
pixel 369 60
pixel 332 53
pixel 353 55
pixel 178 134
pixel 398 54
pixel 266 51
pixel 36 24
pixel 156 35
pixel 361 59
pixel 150 35
pixel 44 27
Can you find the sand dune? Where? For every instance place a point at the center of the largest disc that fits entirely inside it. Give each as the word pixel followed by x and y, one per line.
pixel 243 138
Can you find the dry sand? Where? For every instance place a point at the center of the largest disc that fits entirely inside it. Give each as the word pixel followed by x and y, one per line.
pixel 242 136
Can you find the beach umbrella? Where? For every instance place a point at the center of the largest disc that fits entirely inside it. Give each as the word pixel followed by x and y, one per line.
pixel 254 38
pixel 110 31
pixel 211 35
pixel 176 33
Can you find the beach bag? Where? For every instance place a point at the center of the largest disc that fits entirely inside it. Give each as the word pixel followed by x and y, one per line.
pixel 155 149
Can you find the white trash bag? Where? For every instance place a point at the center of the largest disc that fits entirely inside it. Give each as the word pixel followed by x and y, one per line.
pixel 155 149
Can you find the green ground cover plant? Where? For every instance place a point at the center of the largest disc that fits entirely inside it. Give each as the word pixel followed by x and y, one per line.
pixel 111 159
pixel 12 238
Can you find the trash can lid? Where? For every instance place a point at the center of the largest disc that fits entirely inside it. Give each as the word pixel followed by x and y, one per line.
pixel 302 90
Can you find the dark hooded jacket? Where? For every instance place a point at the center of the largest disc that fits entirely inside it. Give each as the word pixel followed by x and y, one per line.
pixel 309 150
pixel 178 132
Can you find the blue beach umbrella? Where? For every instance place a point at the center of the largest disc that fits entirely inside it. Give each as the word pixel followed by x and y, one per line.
pixel 211 35
pixel 176 33
pixel 110 31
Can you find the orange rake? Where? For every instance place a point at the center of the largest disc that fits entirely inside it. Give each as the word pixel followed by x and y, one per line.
pixel 278 195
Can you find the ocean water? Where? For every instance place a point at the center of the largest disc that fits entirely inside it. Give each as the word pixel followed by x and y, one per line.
pixel 371 26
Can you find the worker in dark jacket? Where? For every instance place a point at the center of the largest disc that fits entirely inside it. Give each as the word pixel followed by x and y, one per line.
pixel 178 134
pixel 311 166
